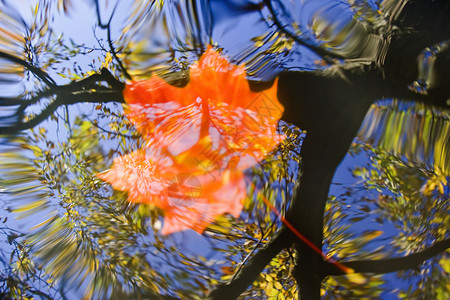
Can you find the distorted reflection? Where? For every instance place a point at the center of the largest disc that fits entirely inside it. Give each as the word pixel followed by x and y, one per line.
pixel 198 141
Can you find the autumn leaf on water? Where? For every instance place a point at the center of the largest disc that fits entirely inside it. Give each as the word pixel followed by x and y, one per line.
pixel 198 141
pixel 188 201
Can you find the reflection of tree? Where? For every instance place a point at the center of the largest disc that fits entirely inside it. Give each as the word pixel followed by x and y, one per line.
pixel 100 229
pixel 31 281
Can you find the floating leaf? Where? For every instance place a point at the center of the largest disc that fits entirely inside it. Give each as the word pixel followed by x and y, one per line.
pixel 199 140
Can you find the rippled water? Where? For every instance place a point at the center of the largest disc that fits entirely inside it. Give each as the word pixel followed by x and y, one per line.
pixel 86 235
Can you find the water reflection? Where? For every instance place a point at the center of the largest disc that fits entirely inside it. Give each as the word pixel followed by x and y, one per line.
pixel 195 143
pixel 416 132
pixel 213 129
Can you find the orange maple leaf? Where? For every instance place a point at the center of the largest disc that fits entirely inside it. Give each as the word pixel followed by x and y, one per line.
pixel 188 201
pixel 199 139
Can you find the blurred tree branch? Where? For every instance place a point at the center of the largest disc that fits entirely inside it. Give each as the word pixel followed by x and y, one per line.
pixel 90 90
pixel 254 266
pixel 107 26
pixel 387 265
pixel 35 70
pixel 318 50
